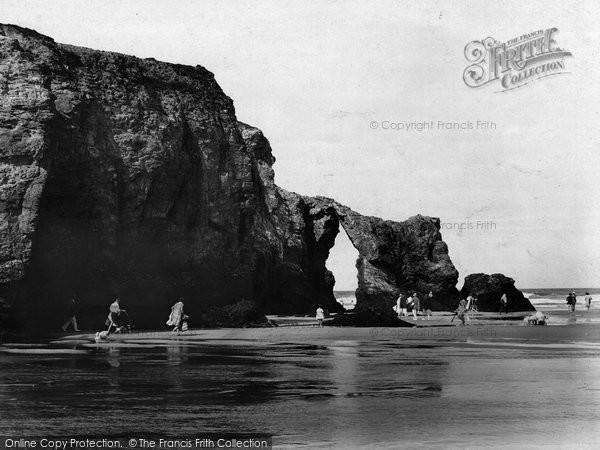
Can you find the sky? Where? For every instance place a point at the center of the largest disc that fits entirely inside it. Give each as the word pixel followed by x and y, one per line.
pixel 315 77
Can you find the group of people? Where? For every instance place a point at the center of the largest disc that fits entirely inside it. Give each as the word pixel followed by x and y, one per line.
pixel 572 301
pixel 118 320
pixel 415 304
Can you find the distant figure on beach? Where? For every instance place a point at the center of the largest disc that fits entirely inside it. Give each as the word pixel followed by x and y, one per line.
pixel 426 304
pixel 571 301
pixel 320 316
pixel 539 318
pixel 401 306
pixel 70 317
pixel 588 300
pixel 469 306
pixel 416 305
pixel 404 304
pixel 178 318
pixel 503 303
pixel 460 311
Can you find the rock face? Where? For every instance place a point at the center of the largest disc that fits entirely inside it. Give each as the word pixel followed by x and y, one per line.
pixel 131 177
pixel 489 288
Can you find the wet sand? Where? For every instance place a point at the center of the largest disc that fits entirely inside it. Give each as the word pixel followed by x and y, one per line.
pixel 563 327
pixel 492 383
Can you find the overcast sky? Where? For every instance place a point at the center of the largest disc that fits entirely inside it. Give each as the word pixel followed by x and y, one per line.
pixel 314 75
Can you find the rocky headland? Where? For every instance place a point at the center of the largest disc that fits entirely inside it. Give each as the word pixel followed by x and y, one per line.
pixel 133 178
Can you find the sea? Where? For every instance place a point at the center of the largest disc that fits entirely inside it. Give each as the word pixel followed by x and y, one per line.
pixel 346 298
pixel 556 298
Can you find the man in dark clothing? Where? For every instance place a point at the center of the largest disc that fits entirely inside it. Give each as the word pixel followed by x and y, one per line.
pixel 570 301
pixel 71 319
pixel 403 310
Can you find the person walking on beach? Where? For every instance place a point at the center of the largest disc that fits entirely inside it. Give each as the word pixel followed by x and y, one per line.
pixel 469 306
pixel 569 301
pixel 427 304
pixel 177 318
pixel 588 300
pixel 503 303
pixel 416 305
pixel 71 315
pixel 320 316
pixel 460 311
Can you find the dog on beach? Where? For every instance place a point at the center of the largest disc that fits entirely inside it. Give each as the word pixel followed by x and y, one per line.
pixel 101 336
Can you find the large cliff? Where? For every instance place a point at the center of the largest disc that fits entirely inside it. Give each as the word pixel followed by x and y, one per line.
pixel 131 177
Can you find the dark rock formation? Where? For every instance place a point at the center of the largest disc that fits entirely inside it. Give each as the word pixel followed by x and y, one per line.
pixel 394 257
pixel 131 177
pixel 240 314
pixel 121 176
pixel 489 288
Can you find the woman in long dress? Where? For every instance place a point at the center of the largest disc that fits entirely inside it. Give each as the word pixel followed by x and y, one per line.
pixel 177 316
pixel 320 316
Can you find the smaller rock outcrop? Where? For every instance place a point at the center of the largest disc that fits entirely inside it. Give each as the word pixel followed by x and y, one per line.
pixel 489 288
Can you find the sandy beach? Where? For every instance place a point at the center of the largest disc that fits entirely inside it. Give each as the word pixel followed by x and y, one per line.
pixel 493 383
pixel 563 328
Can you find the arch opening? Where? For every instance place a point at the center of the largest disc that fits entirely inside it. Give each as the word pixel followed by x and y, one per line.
pixel 342 263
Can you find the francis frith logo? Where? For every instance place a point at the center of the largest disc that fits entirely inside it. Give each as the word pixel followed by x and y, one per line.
pixel 514 63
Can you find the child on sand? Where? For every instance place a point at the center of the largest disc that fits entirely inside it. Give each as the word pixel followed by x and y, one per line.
pixel 320 316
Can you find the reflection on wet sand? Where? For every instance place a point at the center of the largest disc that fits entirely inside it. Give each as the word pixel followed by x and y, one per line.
pixel 347 392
